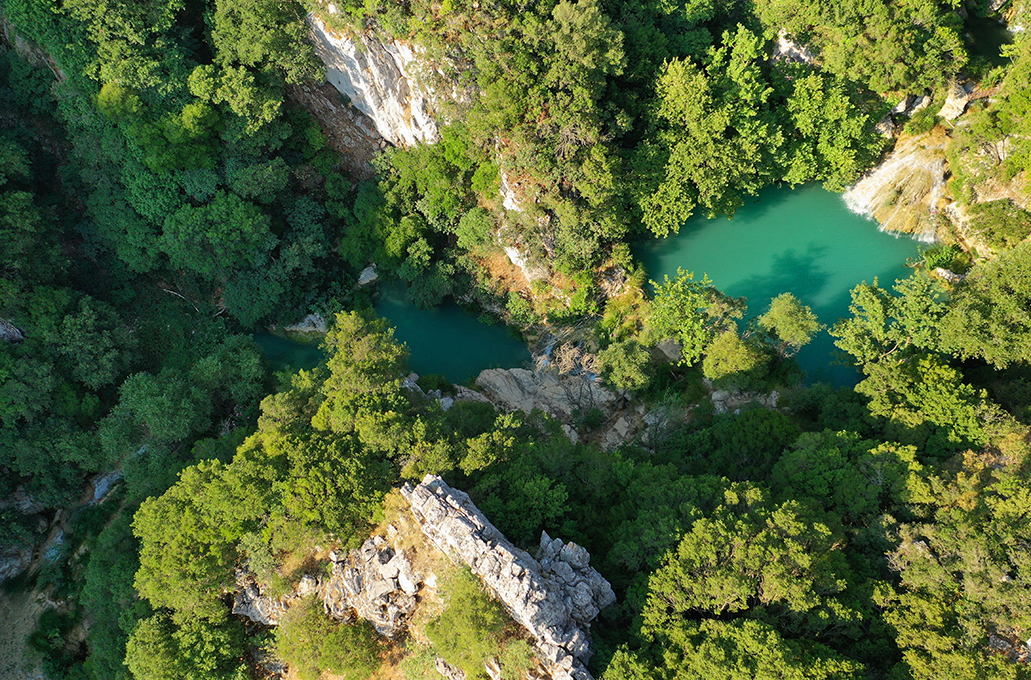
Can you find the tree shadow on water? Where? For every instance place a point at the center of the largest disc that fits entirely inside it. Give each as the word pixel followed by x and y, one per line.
pixel 799 273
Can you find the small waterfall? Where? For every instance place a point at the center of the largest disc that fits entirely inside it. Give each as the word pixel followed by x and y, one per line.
pixel 903 192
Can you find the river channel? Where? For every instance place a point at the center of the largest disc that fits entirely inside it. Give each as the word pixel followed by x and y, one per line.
pixel 804 241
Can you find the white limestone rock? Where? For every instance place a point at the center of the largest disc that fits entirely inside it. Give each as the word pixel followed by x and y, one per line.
pixel 368 276
pixel 955 103
pixel 555 596
pixel 380 80
pixel 532 272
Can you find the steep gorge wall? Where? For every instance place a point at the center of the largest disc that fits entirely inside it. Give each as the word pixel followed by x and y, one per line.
pixel 381 80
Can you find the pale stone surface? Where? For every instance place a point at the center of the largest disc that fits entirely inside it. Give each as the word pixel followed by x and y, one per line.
pixel 448 671
pixel 374 582
pixel 671 349
pixel 955 103
pixel 555 596
pixel 947 274
pixel 14 561
pixel 523 390
pixel 102 485
pixel 10 332
pixel 368 276
pixel 312 323
pixel 380 80
pixel 532 272
pixel 509 198
pixel 787 50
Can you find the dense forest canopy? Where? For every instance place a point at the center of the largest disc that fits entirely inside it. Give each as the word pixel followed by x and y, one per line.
pixel 164 193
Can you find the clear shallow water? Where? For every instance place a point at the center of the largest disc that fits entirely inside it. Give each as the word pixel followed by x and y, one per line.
pixel 802 241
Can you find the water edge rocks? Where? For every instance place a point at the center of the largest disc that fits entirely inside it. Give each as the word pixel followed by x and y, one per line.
pixel 560 396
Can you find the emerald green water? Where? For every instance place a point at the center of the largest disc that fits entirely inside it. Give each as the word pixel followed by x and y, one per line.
pixel 449 340
pixel 802 241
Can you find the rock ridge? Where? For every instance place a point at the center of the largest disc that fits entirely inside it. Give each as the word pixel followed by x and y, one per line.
pixel 555 596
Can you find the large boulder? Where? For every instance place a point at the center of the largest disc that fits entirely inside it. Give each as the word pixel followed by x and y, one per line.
pixel 560 396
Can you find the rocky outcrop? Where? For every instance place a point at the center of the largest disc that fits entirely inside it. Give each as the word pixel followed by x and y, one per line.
pixel 561 396
pixel 374 582
pixel 379 79
pixel 103 484
pixel 252 603
pixel 368 276
pixel 347 129
pixel 10 332
pixel 14 561
pixel 555 597
pixel 906 191
pixel 956 102
pixel 509 198
pixel 532 272
pixel 312 323
pixel 908 106
pixel 731 401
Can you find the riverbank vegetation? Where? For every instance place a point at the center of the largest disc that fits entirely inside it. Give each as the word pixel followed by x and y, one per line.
pixel 160 197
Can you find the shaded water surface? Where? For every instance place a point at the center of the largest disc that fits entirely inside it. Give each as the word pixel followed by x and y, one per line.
pixel 449 340
pixel 803 241
pixel 446 340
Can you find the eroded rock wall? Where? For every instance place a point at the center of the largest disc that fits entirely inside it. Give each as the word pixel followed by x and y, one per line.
pixel 381 80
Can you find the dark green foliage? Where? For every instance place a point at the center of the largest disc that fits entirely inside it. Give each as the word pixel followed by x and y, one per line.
pixel 866 41
pixel 193 649
pixel 691 312
pixel 1000 223
pixel 626 364
pixel 791 323
pixel 989 318
pixel 733 362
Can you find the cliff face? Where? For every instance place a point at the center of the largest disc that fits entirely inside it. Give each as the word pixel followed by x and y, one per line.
pixel 381 80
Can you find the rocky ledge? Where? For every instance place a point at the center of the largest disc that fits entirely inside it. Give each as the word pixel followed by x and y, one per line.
pixel 555 596
pixel 374 582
